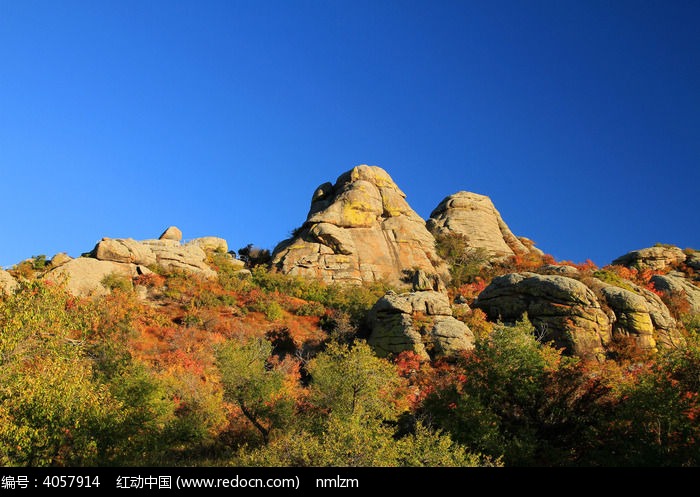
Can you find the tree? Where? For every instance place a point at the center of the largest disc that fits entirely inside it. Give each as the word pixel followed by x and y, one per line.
pixel 255 387
pixel 350 382
pixel 254 256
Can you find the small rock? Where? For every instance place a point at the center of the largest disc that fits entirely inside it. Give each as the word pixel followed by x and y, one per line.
pixel 172 233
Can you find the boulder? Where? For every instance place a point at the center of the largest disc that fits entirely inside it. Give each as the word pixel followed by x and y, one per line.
pixel 632 316
pixel 210 244
pixel 172 256
pixel 657 258
pixel 172 233
pixel 60 259
pixel 360 229
pixel 419 321
pixel 692 260
pixel 475 217
pixel 676 285
pixel 581 317
pixel 562 309
pixel 168 253
pixel 83 276
pixel 7 282
pixel 124 250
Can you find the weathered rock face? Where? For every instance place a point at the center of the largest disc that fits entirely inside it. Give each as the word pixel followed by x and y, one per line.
pixel 7 282
pixel 167 253
pixel 563 310
pixel 359 230
pixel 129 258
pixel 211 244
pixel 573 314
pixel 693 260
pixel 475 217
pixel 677 285
pixel 651 258
pixel 172 233
pixel 632 316
pixel 60 259
pixel 419 321
pixel 83 276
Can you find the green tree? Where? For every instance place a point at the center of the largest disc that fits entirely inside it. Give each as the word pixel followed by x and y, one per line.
pixel 255 387
pixel 517 398
pixel 352 382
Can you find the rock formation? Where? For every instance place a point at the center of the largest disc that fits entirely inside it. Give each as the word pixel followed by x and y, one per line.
pixel 84 276
pixel 7 282
pixel 419 321
pixel 360 229
pixel 563 310
pixel 475 217
pixel 676 285
pixel 659 257
pixel 582 318
pixel 129 258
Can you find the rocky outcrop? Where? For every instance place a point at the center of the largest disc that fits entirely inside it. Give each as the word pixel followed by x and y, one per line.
pixel 582 318
pixel 172 233
pixel 657 258
pixel 360 229
pixel 60 259
pixel 676 285
pixel 127 257
pixel 475 217
pixel 418 321
pixel 84 276
pixel 562 309
pixel 167 253
pixel 7 282
pixel 692 260
pixel 211 244
pixel 632 316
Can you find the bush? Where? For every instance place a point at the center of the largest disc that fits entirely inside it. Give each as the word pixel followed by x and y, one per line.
pixel 311 309
pixel 115 281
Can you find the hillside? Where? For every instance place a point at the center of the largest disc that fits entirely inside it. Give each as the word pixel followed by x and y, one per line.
pixel 371 337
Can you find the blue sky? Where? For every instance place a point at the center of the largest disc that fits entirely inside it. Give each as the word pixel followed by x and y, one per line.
pixel 580 119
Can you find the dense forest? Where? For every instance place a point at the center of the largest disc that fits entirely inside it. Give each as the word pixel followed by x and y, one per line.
pixel 258 368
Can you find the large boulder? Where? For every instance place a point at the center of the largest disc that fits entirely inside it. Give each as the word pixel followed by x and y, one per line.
pixel 475 217
pixel 7 282
pixel 84 276
pixel 420 322
pixel 166 252
pixel 211 244
pixel 562 309
pixel 632 316
pixel 60 259
pixel 676 285
pixel 129 258
pixel 360 229
pixel 657 258
pixel 581 317
pixel 124 250
pixel 173 256
pixel 692 260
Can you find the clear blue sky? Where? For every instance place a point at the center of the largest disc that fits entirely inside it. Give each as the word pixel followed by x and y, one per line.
pixel 580 119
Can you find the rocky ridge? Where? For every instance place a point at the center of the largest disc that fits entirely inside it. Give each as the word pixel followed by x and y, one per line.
pixel 475 217
pixel 419 321
pixel 359 229
pixel 129 258
pixel 581 315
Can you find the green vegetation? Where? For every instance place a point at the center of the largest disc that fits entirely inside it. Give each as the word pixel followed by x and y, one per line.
pixel 270 370
pixel 465 262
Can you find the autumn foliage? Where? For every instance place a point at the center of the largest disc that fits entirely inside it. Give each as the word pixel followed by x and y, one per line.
pixel 271 370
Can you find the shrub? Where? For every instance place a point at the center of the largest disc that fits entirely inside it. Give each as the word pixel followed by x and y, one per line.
pixel 115 281
pixel 311 309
